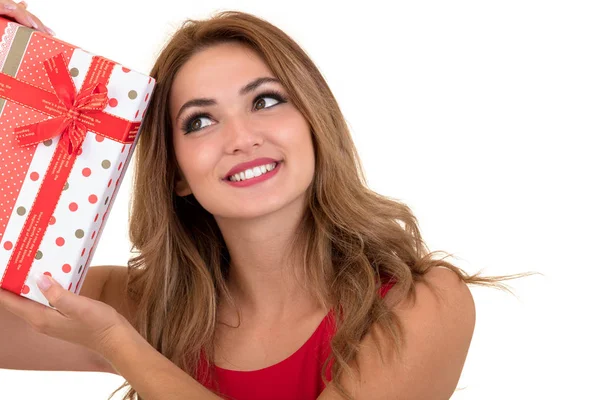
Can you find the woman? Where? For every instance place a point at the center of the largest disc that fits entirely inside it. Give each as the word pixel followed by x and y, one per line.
pixel 266 268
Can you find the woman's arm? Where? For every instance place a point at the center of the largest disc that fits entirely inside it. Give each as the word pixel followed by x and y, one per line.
pixel 99 327
pixel 150 373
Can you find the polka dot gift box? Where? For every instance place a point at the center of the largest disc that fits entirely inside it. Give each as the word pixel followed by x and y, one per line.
pixel 68 126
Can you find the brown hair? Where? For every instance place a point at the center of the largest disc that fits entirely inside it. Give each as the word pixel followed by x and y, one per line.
pixel 350 236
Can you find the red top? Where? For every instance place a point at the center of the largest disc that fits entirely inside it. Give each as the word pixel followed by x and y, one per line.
pixel 295 378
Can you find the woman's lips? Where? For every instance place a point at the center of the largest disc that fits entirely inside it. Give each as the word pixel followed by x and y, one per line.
pixel 252 181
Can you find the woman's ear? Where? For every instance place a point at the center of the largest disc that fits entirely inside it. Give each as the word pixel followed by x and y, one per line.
pixel 182 188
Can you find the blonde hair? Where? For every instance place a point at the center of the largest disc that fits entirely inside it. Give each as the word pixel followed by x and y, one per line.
pixel 350 237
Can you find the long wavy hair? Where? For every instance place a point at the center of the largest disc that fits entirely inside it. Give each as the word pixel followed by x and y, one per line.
pixel 349 237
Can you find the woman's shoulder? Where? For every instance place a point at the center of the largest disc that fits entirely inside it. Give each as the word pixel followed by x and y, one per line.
pixel 115 292
pixel 438 282
pixel 437 324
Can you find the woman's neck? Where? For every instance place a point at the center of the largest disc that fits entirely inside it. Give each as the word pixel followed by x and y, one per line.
pixel 264 279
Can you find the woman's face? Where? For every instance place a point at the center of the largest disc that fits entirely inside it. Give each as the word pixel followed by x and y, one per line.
pixel 227 110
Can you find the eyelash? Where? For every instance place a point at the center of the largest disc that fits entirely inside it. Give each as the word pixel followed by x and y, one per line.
pixel 187 123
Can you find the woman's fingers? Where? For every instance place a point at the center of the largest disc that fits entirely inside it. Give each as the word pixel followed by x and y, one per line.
pixel 36 23
pixel 18 12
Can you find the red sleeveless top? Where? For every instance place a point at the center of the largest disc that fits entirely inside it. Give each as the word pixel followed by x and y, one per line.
pixel 298 377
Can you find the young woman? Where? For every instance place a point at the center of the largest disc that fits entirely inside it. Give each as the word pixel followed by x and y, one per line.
pixel 266 269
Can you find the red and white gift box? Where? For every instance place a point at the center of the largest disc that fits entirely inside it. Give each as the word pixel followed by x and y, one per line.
pixel 68 127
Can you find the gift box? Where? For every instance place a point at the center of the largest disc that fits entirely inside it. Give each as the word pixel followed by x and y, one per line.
pixel 68 126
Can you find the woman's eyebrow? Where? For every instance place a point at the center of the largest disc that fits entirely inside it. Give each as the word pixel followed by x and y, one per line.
pixel 256 83
pixel 204 102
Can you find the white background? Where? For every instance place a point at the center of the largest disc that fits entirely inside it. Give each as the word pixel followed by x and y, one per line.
pixel 483 116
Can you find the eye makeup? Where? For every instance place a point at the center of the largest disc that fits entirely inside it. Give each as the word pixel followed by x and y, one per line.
pixel 189 123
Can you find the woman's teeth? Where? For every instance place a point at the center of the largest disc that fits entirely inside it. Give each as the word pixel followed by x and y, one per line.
pixel 252 172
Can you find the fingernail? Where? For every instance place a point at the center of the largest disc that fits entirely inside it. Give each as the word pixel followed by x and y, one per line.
pixel 50 31
pixel 32 23
pixel 10 6
pixel 44 282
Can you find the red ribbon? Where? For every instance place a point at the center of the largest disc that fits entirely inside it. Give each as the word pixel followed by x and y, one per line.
pixel 72 116
pixel 73 113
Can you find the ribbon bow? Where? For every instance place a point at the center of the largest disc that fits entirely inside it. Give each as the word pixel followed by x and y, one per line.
pixel 74 109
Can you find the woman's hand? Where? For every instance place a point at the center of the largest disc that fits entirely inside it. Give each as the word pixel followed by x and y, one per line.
pixel 18 12
pixel 77 319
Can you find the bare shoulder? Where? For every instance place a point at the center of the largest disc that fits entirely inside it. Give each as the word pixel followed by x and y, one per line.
pixel 94 281
pixel 438 324
pixel 442 302
pixel 440 287
pixel 114 293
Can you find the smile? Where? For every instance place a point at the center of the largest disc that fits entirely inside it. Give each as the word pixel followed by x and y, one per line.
pixel 252 172
pixel 253 175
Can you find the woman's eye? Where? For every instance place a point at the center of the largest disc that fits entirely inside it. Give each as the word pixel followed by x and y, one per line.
pixel 265 102
pixel 195 124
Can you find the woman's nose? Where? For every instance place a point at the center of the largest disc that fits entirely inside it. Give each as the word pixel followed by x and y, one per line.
pixel 242 135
